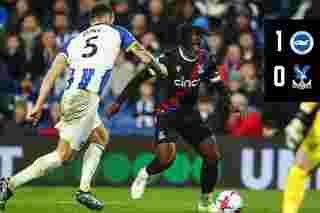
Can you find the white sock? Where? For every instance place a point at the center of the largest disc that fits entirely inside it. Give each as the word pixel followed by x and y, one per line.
pixel 90 162
pixel 144 172
pixel 35 170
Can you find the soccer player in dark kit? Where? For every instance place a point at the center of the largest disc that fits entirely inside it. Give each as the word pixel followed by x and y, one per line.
pixel 186 66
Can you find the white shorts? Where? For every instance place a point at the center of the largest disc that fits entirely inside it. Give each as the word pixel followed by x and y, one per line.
pixel 79 110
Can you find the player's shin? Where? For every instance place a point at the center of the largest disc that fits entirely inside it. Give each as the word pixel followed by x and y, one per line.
pixel 91 161
pixel 36 170
pixel 156 166
pixel 209 178
pixel 164 159
pixel 295 189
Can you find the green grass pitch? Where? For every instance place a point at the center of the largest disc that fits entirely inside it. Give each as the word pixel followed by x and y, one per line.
pixel 155 200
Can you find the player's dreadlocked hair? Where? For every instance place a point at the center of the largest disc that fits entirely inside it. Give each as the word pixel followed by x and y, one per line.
pixel 184 34
pixel 100 10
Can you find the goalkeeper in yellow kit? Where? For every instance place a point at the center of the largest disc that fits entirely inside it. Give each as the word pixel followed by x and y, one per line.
pixel 303 134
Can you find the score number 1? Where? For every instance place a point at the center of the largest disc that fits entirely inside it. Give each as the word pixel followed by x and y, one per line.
pixel 279 76
pixel 279 40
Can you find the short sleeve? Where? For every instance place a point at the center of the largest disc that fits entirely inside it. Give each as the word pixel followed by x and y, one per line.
pixel 64 49
pixel 205 71
pixel 127 39
pixel 163 58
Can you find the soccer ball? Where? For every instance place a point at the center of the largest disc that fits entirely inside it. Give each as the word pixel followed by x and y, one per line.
pixel 229 202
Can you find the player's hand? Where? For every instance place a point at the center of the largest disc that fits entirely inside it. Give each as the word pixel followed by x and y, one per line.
pixel 163 71
pixel 294 133
pixel 113 109
pixel 35 115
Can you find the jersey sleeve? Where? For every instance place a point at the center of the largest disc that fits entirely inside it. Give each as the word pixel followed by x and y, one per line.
pixel 164 58
pixel 64 49
pixel 209 70
pixel 127 39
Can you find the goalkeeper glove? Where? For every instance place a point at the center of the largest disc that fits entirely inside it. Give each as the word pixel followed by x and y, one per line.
pixel 294 133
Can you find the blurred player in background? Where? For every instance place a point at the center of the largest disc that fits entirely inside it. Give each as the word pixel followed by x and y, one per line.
pixel 89 59
pixel 302 134
pixel 187 66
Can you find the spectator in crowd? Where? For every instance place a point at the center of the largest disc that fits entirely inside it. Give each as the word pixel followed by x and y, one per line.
pixel 150 42
pixel 231 62
pixel 61 25
pixel 60 6
pixel 234 83
pixel 216 47
pixel 138 25
pixel 84 13
pixel 44 53
pixel 247 46
pixel 157 20
pixel 242 120
pixel 20 113
pixel 6 83
pixel 15 56
pixel 248 49
pixel 250 83
pixel 30 33
pixel 248 74
pixel 121 9
pixel 57 7
pixel 244 22
pixel 22 8
pixel 18 124
pixel 216 8
pixel 145 106
pixel 189 10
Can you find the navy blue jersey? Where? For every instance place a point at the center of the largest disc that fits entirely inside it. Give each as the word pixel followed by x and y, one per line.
pixel 181 88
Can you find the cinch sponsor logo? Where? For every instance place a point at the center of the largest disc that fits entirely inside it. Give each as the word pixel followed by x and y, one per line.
pixel 186 83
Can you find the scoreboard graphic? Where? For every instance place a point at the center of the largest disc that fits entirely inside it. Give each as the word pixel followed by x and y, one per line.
pixel 292 51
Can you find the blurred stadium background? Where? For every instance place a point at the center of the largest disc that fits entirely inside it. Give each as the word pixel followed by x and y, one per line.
pixel 32 33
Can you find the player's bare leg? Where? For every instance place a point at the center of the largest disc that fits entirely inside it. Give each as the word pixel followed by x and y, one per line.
pixel 98 139
pixel 295 188
pixel 38 169
pixel 165 156
pixel 208 150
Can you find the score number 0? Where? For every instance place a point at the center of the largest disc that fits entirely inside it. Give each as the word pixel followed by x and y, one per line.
pixel 279 76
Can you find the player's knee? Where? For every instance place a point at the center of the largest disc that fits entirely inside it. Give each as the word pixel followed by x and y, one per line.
pixel 167 160
pixel 65 153
pixel 211 163
pixel 100 136
pixel 209 152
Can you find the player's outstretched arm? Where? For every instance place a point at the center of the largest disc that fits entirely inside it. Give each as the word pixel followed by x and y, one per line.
pixel 58 66
pixel 297 127
pixel 147 58
pixel 131 86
